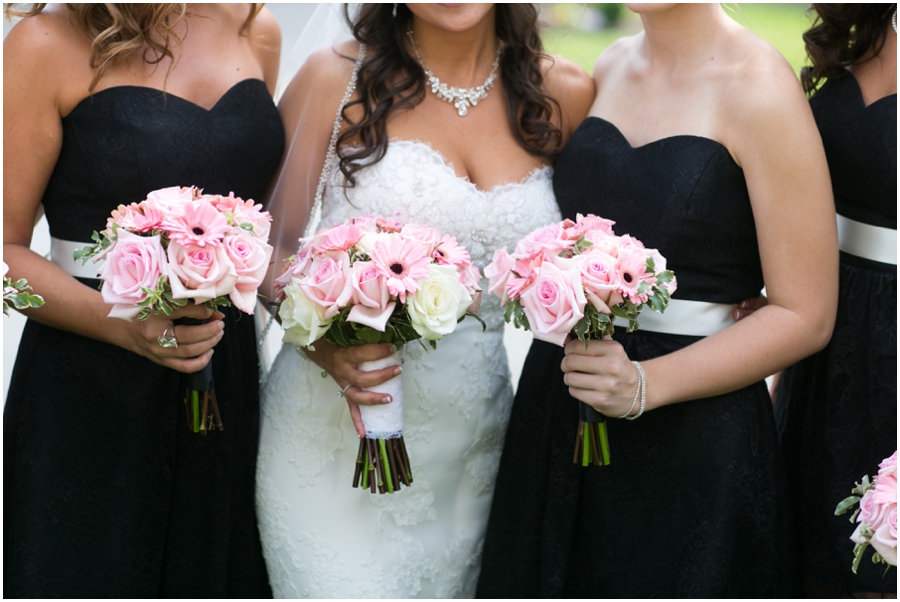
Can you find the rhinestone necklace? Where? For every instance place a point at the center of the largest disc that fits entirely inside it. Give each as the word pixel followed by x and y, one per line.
pixel 462 98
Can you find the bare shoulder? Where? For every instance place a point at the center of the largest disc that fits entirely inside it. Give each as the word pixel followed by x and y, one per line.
pixel 565 81
pixel 762 83
pixel 613 57
pixel 46 57
pixel 326 71
pixel 571 86
pixel 320 82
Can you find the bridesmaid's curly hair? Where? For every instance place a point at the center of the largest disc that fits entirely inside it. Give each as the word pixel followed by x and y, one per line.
pixel 840 36
pixel 391 79
pixel 119 31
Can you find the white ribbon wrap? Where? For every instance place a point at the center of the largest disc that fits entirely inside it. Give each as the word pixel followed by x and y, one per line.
pixel 384 421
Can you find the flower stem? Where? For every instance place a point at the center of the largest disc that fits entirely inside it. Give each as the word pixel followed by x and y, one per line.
pixel 604 442
pixel 388 479
pixel 195 409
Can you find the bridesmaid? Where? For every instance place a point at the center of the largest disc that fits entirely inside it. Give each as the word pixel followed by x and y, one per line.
pixel 837 410
pixel 699 143
pixel 106 492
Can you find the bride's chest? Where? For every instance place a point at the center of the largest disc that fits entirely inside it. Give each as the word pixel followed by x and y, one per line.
pixel 413 183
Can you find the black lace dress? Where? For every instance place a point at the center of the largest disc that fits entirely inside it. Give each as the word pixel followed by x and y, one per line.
pixel 106 492
pixel 693 503
pixel 837 410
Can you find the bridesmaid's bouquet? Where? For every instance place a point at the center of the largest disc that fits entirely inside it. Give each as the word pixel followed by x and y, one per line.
pixel 18 294
pixel 876 516
pixel 179 245
pixel 574 279
pixel 376 280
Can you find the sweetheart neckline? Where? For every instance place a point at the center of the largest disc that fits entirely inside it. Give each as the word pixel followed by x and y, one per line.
pixel 663 139
pixel 151 89
pixel 532 175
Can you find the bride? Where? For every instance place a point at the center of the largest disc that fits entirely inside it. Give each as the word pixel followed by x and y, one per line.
pixel 480 172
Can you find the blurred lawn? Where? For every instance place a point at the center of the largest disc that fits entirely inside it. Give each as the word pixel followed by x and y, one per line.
pixel 779 24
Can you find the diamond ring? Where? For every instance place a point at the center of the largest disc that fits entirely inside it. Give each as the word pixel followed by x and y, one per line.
pixel 167 342
pixel 343 392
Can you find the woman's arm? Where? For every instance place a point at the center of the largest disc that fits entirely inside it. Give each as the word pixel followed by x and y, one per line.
pixel 41 69
pixel 776 142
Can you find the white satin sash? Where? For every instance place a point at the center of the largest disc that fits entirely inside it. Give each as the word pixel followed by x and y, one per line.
pixel 61 252
pixel 867 241
pixel 689 318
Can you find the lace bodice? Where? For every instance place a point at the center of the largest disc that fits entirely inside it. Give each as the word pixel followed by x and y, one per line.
pixel 414 183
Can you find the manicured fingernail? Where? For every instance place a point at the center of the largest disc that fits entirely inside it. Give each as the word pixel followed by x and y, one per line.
pixel 386 399
pixel 393 349
pixel 398 370
pixel 738 315
pixel 221 325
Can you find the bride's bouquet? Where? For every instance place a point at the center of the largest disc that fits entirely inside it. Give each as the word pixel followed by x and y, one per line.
pixel 876 516
pixel 572 279
pixel 18 294
pixel 179 245
pixel 376 280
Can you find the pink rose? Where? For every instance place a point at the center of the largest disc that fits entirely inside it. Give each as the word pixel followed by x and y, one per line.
pixel 888 466
pixel 250 256
pixel 369 286
pixel 293 270
pixel 603 242
pixel 171 201
pixel 884 540
pixel 524 273
pixel 199 273
pixel 131 262
pixel 600 278
pixel 591 222
pixel 554 304
pixel 328 282
pixel 549 239
pixel 498 273
pixel 426 236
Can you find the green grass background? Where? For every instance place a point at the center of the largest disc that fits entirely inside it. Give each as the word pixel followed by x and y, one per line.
pixel 779 24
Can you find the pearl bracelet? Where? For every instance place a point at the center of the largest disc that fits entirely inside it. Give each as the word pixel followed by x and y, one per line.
pixel 642 387
pixel 637 392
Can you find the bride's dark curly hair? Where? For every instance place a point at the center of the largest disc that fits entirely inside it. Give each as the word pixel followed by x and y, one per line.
pixel 391 79
pixel 840 36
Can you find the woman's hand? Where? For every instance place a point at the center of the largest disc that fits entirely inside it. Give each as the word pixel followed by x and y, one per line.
pixel 601 375
pixel 342 364
pixel 195 343
pixel 748 306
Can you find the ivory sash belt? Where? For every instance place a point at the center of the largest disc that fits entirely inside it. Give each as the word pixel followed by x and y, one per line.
pixel 689 318
pixel 61 252
pixel 867 241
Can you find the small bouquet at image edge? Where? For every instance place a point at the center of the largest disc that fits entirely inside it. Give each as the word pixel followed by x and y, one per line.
pixel 179 245
pixel 376 280
pixel 876 516
pixel 574 279
pixel 18 294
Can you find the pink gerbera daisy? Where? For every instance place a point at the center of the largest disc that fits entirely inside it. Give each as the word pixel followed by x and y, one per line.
pixel 632 270
pixel 449 252
pixel 200 224
pixel 402 263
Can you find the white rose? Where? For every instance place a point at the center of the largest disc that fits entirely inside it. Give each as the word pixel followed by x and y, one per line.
pixel 367 243
pixel 302 320
pixel 438 305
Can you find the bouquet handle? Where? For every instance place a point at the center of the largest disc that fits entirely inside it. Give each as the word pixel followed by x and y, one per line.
pixel 382 464
pixel 200 404
pixel 592 441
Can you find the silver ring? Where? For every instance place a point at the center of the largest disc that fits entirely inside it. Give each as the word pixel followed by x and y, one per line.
pixel 167 342
pixel 343 392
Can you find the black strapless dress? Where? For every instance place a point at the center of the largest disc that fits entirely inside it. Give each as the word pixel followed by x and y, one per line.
pixel 837 410
pixel 106 492
pixel 693 503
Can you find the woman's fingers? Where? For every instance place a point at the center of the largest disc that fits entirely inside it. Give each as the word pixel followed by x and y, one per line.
pixel 357 419
pixel 188 365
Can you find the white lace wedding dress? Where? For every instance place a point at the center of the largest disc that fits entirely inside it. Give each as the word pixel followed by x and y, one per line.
pixel 324 539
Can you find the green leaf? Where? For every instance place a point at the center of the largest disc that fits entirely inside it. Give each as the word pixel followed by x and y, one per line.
pixel 664 277
pixel 845 505
pixel 650 265
pixel 582 327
